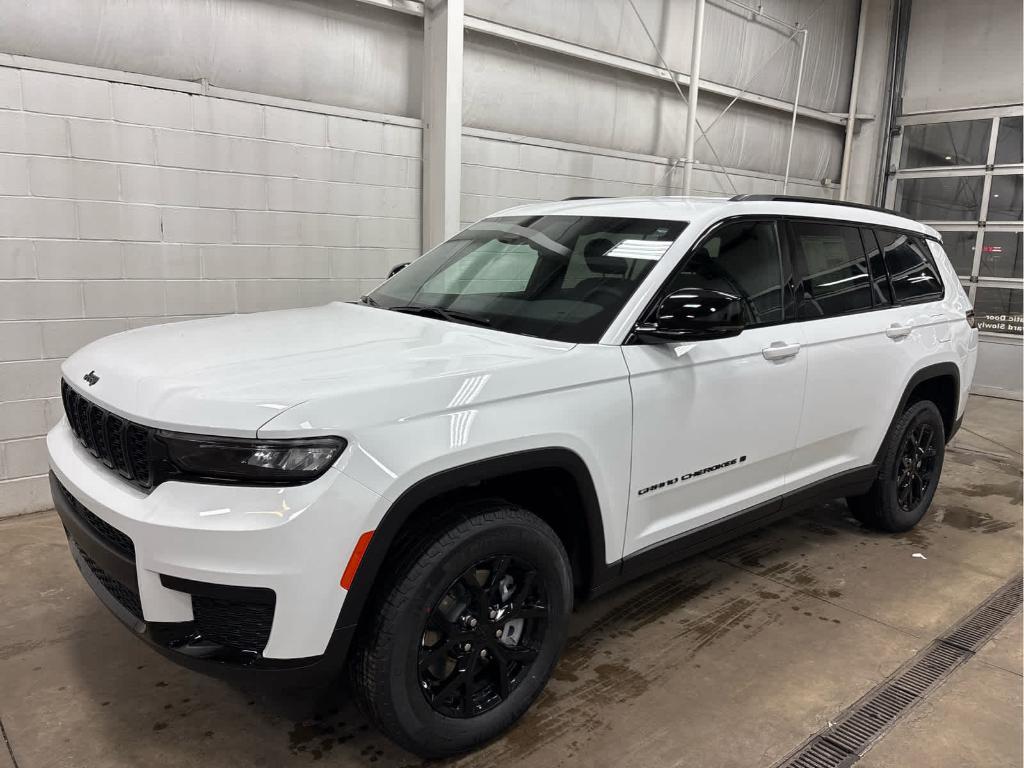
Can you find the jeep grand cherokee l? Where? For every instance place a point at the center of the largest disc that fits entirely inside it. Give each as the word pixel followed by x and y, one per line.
pixel 557 399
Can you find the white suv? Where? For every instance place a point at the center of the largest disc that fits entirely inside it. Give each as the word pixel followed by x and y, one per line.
pixel 559 398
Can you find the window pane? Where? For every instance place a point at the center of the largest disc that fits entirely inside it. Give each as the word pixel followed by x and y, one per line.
pixel 879 274
pixel 956 198
pixel 1010 142
pixel 742 259
pixel 959 246
pixel 1006 201
pixel 494 267
pixel 1001 254
pixel 832 269
pixel 910 269
pixel 964 142
pixel 508 273
pixel 998 310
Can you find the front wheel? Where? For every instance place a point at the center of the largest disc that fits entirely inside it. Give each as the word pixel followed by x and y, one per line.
pixel 909 473
pixel 466 634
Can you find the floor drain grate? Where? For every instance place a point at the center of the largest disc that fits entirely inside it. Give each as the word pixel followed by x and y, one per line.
pixel 842 744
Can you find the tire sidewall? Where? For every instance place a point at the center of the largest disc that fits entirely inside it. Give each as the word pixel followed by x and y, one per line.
pixel 899 519
pixel 534 544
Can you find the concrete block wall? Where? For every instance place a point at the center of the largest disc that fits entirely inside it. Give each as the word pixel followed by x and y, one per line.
pixel 501 170
pixel 123 205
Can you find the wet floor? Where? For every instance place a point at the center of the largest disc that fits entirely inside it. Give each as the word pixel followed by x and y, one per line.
pixel 729 659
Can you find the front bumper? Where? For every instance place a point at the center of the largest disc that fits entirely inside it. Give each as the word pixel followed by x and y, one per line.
pixel 208 573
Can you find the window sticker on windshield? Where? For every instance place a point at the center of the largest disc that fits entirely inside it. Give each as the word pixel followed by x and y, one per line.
pixel 650 250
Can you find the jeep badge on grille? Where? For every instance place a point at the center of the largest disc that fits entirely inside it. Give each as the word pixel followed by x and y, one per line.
pixel 91 378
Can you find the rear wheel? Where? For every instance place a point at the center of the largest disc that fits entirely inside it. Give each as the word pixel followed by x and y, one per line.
pixel 466 634
pixel 909 471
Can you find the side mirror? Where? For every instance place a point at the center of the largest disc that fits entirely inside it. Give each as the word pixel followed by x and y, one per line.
pixel 693 314
pixel 397 268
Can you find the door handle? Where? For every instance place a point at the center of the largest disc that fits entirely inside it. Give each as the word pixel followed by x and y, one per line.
pixel 897 331
pixel 779 350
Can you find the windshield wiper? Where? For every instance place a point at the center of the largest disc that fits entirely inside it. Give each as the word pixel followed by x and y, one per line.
pixel 368 301
pixel 451 315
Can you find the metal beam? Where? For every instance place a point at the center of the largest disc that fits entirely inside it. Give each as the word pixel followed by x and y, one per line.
pixel 691 112
pixel 858 57
pixel 796 101
pixel 442 119
pixel 614 61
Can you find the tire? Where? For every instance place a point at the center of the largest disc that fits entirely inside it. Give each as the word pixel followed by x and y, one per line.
pixel 909 472
pixel 411 647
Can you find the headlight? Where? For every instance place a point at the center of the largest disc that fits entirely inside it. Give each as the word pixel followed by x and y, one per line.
pixel 265 462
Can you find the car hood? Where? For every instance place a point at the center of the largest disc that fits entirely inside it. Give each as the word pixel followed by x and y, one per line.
pixel 230 375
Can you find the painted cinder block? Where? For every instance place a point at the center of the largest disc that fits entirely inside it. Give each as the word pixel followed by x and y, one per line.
pixel 77 259
pixel 123 298
pixel 27 379
pixel 13 175
pixel 153 184
pixel 39 300
pixel 261 261
pixel 200 297
pixel 236 118
pixel 64 337
pixel 65 95
pixel 151 106
pixel 23 495
pixel 295 126
pixel 21 341
pixel 118 221
pixel 197 225
pixel 25 457
pixel 389 233
pixel 37 217
pixel 28 134
pixel 172 261
pixel 97 140
pixel 69 178
pixel 17 259
pixel 22 418
pixel 362 135
pixel 232 190
pixel 10 88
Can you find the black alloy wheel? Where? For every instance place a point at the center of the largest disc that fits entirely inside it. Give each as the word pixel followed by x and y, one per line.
pixel 482 636
pixel 916 469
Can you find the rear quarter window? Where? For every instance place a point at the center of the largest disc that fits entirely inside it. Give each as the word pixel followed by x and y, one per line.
pixel 911 270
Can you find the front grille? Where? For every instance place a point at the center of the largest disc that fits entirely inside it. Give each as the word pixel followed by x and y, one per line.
pixel 237 624
pixel 121 445
pixel 125 595
pixel 101 528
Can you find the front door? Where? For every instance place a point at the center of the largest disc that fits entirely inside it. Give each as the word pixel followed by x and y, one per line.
pixel 715 422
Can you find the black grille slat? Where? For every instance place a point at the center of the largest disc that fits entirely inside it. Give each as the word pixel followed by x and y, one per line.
pixel 121 445
pixel 237 624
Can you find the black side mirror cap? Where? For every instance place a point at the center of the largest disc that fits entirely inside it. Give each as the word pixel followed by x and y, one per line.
pixel 693 314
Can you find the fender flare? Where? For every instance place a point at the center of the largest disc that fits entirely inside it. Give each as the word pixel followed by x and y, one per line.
pixel 451 479
pixel 934 371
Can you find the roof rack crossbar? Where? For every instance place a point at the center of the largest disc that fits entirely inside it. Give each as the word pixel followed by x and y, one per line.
pixel 816 200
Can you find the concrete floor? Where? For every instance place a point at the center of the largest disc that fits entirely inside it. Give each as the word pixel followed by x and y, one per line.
pixel 730 659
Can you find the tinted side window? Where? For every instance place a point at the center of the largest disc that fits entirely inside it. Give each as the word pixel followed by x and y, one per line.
pixel 742 259
pixel 832 269
pixel 911 271
pixel 881 291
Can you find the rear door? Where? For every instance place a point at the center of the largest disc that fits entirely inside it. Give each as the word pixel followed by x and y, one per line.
pixel 715 422
pixel 861 342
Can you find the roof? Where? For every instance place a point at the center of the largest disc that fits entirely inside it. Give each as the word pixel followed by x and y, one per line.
pixel 677 208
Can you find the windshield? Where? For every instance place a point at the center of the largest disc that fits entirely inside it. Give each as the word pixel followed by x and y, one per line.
pixel 556 277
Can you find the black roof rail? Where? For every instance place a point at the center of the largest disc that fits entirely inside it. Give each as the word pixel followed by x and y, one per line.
pixel 817 200
pixel 585 197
